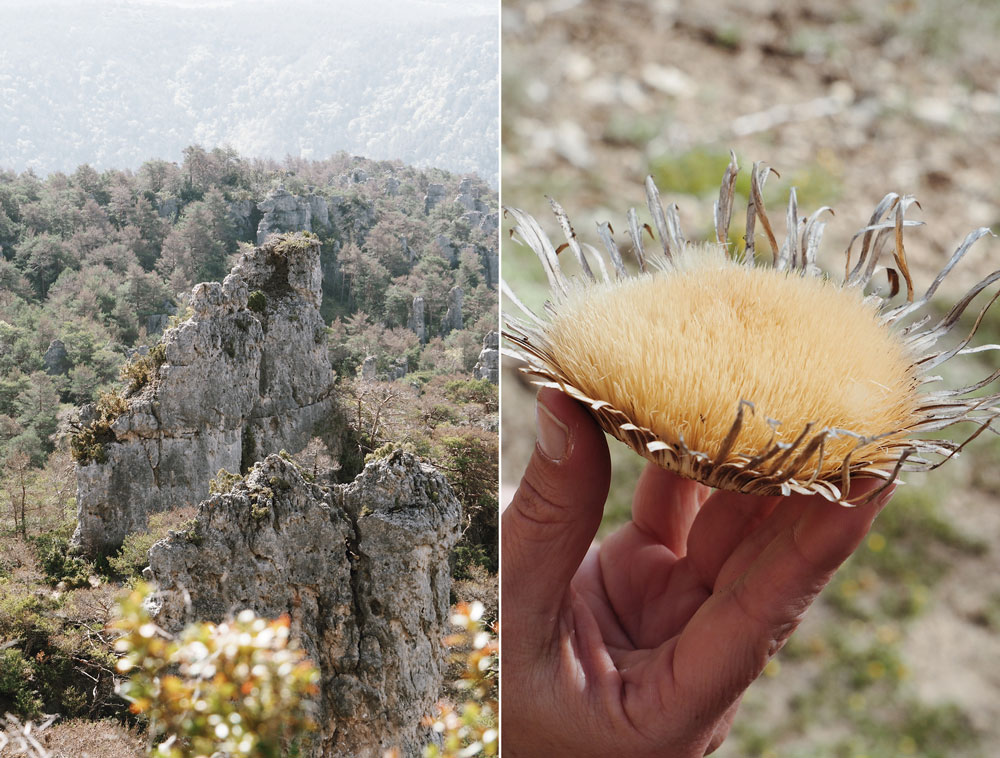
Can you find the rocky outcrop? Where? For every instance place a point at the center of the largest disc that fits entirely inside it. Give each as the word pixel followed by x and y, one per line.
pixel 360 569
pixel 488 366
pixel 490 223
pixel 491 265
pixel 368 369
pixel 446 249
pixel 398 369
pixel 169 208
pixel 416 322
pixel 468 197
pixel 435 194
pixel 240 215
pixel 245 375
pixel 56 359
pixel 453 316
pixel 285 212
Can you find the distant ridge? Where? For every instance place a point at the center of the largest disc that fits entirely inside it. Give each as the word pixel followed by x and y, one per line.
pixel 112 83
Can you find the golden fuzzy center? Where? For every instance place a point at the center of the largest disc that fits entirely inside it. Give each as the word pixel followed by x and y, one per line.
pixel 678 349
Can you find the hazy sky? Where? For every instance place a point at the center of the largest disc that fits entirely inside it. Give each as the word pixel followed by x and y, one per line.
pixel 116 82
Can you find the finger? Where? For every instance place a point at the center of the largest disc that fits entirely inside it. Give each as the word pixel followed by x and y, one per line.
pixel 651 600
pixel 728 642
pixel 723 727
pixel 552 518
pixel 722 524
pixel 665 505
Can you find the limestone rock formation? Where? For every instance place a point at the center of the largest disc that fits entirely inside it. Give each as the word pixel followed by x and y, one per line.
pixel 416 322
pixel 285 212
pixel 488 366
pixel 56 359
pixel 368 369
pixel 435 194
pixel 398 369
pixel 361 570
pixel 246 375
pixel 490 223
pixel 468 197
pixel 491 265
pixel 240 214
pixel 446 249
pixel 453 316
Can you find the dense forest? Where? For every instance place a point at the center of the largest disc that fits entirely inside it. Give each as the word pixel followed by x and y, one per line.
pixel 94 265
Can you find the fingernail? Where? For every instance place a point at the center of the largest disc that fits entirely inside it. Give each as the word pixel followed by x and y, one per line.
pixel 552 433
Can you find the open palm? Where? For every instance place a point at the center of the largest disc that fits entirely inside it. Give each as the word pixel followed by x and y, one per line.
pixel 644 645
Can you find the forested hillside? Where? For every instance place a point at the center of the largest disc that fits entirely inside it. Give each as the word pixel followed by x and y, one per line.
pixel 95 265
pixel 113 83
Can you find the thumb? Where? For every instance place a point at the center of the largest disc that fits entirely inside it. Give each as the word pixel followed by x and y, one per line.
pixel 553 517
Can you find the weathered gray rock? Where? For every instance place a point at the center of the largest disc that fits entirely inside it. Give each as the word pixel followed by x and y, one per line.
pixel 362 572
pixel 56 359
pixel 320 210
pixel 416 323
pixel 469 196
pixel 488 366
pixel 398 369
pixel 285 212
pixel 466 201
pixel 168 208
pixel 239 212
pixel 490 223
pixel 391 185
pixel 446 249
pixel 453 316
pixel 352 216
pixel 491 265
pixel 368 369
pixel 435 194
pixel 246 375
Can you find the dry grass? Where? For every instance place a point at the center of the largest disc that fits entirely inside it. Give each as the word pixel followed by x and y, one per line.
pixel 93 739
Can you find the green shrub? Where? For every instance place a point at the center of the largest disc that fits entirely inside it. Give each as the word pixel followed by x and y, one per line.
pixel 242 688
pixel 133 556
pixel 465 391
pixel 86 445
pixel 465 556
pixel 223 482
pixel 58 564
pixel 141 370
pixel 16 693
pixel 257 302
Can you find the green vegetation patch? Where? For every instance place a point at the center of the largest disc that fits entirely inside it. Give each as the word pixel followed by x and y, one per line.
pixel 133 556
pixel 142 370
pixel 58 562
pixel 257 302
pixel 87 444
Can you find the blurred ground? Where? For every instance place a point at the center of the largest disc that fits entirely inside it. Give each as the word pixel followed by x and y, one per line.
pixel 847 101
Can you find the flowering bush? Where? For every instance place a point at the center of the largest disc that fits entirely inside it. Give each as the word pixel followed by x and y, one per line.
pixel 470 729
pixel 241 688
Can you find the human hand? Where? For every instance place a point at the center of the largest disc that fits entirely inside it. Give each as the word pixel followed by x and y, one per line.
pixel 644 645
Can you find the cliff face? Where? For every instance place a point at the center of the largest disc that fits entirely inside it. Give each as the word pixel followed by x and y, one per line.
pixel 245 375
pixel 361 570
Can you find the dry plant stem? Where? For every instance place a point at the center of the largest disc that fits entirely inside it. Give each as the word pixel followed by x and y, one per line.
pixel 20 736
pixel 805 450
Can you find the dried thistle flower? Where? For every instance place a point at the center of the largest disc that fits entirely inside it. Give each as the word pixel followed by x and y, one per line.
pixel 758 379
